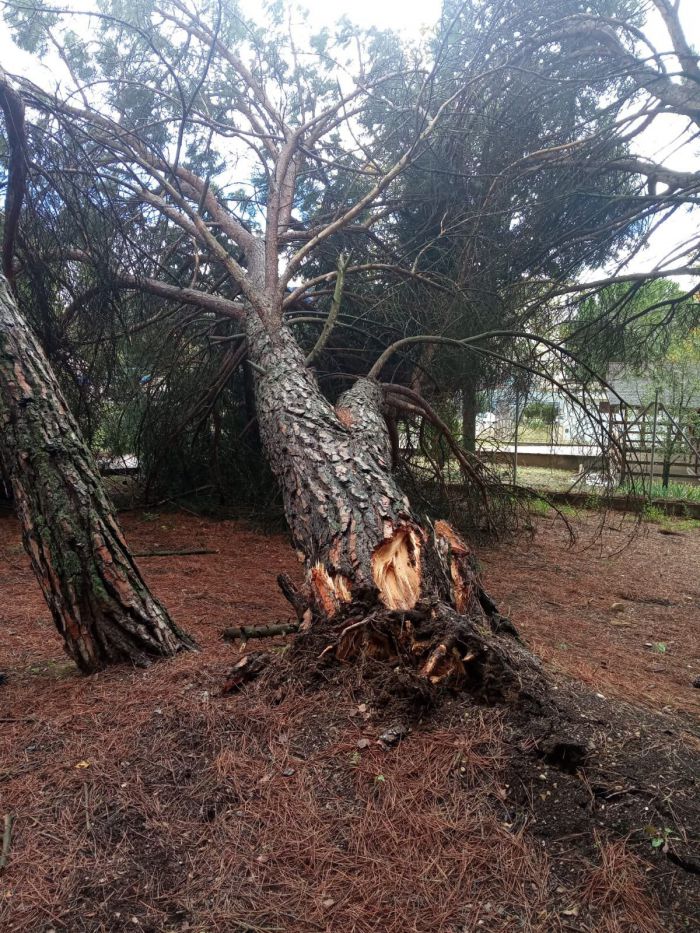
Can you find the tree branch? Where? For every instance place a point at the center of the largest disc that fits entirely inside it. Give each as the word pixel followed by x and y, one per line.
pixel 13 110
pixel 329 323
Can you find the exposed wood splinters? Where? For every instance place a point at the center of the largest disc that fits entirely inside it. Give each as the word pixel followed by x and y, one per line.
pixel 330 592
pixel 457 552
pixel 396 569
pixel 438 654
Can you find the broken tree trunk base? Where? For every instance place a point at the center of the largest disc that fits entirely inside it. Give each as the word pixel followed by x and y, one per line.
pixel 439 645
pixel 429 650
pixel 427 618
pixel 382 585
pixel 433 617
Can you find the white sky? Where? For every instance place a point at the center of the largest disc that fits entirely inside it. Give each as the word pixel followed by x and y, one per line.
pixel 411 18
pixel 406 16
pixel 660 144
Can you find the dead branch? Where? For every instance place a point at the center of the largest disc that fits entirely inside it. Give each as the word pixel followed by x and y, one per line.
pixel 183 553
pixel 293 595
pixel 329 324
pixel 13 109
pixel 6 840
pixel 245 632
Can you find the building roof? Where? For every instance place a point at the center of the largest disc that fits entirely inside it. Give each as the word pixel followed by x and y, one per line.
pixel 638 389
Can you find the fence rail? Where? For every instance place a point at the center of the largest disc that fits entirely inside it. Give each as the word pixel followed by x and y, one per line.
pixel 652 444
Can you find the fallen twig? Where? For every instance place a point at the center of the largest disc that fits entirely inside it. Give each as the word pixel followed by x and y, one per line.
pixel 145 506
pixel 86 793
pixel 6 840
pixel 293 595
pixel 259 631
pixel 182 553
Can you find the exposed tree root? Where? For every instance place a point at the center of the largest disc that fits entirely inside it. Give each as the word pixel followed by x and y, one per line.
pixel 431 643
pixel 427 617
pixel 444 647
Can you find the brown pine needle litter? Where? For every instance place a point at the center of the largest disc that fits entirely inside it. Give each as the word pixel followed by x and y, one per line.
pixel 235 815
pixel 145 801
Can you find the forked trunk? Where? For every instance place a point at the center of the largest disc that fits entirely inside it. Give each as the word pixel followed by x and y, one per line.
pixel 379 581
pixel 98 599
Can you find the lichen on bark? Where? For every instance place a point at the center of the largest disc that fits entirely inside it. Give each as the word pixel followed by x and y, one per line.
pixel 99 601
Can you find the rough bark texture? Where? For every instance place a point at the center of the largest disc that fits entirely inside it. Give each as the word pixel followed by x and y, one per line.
pixel 333 464
pixel 98 599
pixel 379 581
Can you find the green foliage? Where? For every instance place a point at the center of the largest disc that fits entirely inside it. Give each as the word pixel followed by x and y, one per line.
pixel 539 507
pixel 659 836
pixel 31 25
pixel 475 213
pixel 684 491
pixel 652 513
pixel 641 325
pixel 472 213
pixel 194 434
pixel 544 412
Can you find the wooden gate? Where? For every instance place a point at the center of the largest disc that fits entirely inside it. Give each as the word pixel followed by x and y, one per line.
pixel 652 445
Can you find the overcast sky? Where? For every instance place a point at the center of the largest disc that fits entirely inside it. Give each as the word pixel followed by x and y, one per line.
pixel 411 16
pixel 407 16
pixel 659 143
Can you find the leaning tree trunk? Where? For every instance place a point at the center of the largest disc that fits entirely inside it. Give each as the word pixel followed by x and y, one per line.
pixel 98 599
pixel 379 581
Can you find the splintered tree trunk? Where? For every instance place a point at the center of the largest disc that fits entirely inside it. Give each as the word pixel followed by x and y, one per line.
pixel 98 599
pixel 379 581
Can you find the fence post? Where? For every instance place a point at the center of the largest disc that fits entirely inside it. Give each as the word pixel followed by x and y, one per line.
pixel 515 444
pixel 653 442
pixel 623 419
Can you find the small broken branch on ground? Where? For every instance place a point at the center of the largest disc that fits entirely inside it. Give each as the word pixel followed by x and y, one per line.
pixel 186 552
pixel 295 597
pixel 245 632
pixel 6 840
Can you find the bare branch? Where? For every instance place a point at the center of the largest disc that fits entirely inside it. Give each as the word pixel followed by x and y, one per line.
pixel 13 109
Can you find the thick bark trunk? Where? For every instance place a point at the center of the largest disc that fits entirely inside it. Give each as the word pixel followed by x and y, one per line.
pixel 333 466
pixel 98 599
pixel 379 581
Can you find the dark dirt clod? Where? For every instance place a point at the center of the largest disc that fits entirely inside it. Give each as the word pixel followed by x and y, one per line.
pixel 394 734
